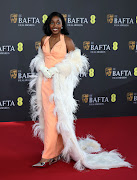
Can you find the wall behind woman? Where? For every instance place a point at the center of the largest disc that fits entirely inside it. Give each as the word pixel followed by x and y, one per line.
pixel 104 31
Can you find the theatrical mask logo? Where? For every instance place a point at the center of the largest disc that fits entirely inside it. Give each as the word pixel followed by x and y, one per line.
pixel 119 21
pixel 131 45
pixel 37 44
pixel 24 21
pixel 65 16
pixel 119 74
pixel 85 98
pixel 132 97
pixel 108 71
pixel 13 18
pixel 99 48
pixel 110 18
pixel 129 96
pixel 13 73
pixel 86 45
pixel 21 76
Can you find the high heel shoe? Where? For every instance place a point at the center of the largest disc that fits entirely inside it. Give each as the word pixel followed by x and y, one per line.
pixel 41 164
pixel 55 159
pixel 49 161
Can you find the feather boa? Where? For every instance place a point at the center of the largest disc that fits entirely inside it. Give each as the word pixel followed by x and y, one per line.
pixel 64 82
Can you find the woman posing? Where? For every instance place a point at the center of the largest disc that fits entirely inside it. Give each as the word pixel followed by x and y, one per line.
pixel 59 64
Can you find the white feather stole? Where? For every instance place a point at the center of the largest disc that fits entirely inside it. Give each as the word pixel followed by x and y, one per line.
pixel 64 82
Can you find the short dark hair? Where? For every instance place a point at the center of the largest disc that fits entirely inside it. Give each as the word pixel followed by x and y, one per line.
pixel 46 27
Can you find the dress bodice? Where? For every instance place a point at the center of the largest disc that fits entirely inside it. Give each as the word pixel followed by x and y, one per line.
pixel 56 54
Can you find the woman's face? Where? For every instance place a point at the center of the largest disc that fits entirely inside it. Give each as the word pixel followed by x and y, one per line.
pixel 55 25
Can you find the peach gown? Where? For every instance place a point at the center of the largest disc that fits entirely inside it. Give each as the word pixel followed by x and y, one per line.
pixel 53 142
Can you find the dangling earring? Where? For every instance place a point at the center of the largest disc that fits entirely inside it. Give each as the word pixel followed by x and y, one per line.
pixel 62 27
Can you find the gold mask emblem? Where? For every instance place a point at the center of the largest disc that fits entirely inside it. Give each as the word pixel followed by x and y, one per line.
pixel 13 18
pixel 129 96
pixel 108 71
pixel 131 45
pixel 85 98
pixel 110 18
pixel 37 44
pixel 13 73
pixel 86 45
pixel 65 16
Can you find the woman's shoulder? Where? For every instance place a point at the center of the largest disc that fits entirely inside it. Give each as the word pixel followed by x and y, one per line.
pixel 69 43
pixel 67 38
pixel 42 40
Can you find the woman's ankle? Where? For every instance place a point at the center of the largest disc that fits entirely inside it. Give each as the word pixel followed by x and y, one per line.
pixel 44 160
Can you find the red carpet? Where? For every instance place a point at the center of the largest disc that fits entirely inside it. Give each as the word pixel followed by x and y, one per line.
pixel 18 150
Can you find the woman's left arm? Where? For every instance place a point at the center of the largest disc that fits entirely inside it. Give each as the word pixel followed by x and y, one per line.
pixel 69 44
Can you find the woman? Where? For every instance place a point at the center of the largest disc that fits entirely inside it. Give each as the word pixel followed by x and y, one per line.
pixel 59 64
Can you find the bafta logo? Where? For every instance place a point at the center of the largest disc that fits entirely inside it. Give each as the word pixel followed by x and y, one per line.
pixel 129 96
pixel 13 73
pixel 13 18
pixel 86 45
pixel 110 18
pixel 131 45
pixel 85 98
pixel 65 16
pixel 37 44
pixel 108 71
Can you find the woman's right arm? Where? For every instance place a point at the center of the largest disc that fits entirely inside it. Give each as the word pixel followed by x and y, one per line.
pixel 42 40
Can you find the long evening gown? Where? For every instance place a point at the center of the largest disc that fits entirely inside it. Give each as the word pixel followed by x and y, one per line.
pixel 53 142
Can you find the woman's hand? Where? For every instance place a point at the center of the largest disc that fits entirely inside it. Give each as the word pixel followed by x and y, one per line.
pixel 53 71
pixel 45 71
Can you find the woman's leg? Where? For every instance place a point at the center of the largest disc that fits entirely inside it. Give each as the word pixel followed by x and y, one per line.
pixel 53 143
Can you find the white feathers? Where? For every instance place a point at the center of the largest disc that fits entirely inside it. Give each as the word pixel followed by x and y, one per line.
pixel 89 145
pixel 37 131
pixel 63 84
pixel 79 166
pixel 105 160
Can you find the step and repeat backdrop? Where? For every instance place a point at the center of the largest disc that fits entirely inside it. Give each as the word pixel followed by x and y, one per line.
pixel 104 31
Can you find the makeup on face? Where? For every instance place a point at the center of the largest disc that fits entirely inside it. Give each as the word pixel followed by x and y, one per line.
pixel 55 24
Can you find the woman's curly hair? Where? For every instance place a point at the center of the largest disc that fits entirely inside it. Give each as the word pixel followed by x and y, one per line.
pixel 46 27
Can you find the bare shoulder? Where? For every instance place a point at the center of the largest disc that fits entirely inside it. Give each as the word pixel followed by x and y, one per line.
pixel 42 40
pixel 68 40
pixel 69 43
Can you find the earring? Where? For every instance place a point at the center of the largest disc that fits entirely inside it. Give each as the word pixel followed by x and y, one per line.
pixel 62 27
